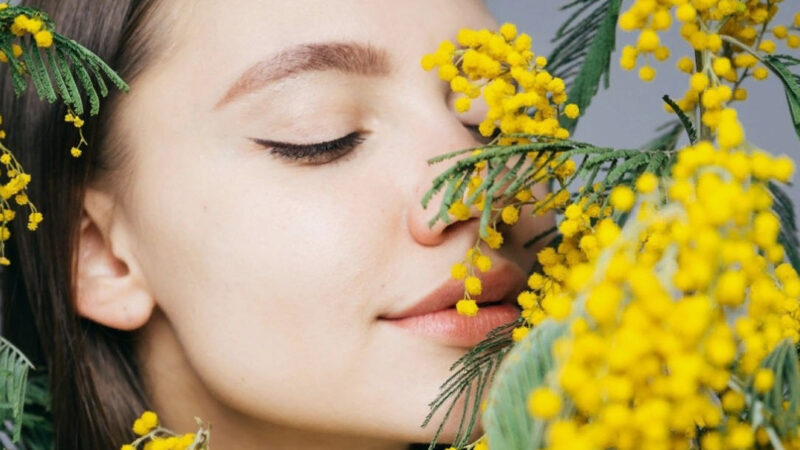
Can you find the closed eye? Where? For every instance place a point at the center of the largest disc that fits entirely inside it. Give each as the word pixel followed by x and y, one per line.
pixel 318 153
pixel 323 152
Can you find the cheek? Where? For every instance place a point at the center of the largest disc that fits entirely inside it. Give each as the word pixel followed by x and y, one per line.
pixel 259 269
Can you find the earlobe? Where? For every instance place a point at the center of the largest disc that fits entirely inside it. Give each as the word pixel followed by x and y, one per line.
pixel 107 290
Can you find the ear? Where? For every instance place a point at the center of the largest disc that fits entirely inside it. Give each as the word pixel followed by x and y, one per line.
pixel 110 289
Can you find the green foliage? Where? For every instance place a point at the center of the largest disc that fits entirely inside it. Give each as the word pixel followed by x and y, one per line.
pixel 684 119
pixel 475 366
pixel 783 206
pixel 37 424
pixel 65 70
pixel 506 420
pixel 784 364
pixel 582 56
pixel 14 368
pixel 779 64
pixel 620 165
pixel 668 139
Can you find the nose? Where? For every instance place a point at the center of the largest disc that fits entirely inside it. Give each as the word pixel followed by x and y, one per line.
pixel 444 135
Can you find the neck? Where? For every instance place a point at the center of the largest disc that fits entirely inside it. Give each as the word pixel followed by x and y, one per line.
pixel 178 395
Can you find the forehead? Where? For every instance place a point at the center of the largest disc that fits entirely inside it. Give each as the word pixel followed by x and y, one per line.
pixel 216 42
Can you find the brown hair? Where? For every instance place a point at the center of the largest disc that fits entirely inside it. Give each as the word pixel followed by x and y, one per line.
pixel 95 384
pixel 95 388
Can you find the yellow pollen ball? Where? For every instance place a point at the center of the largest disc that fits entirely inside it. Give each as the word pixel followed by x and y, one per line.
pixel 740 436
pixel 573 211
pixel 767 46
pixel 150 419
pixel 508 31
pixel 730 133
pixel 140 428
pixel 510 214
pixel 519 333
pixel 661 53
pixel 622 198
pixel 647 182
pixel 572 111
pixel 763 380
pixel 483 263
pixel 543 403
pixel 458 271
pixel 731 288
pixel 467 307
pixel 628 62
pixel 628 21
pixel 428 62
pixel 721 66
pixel 648 41
pixel 783 168
pixel 447 72
pixel 34 25
pixel 647 73
pixel 686 13
pixel 473 285
pixel 494 239
pixel 732 402
pixel 699 82
pixel 43 38
pixel 459 210
pixel 459 84
pixel 463 104
pixel 524 195
pixel 685 64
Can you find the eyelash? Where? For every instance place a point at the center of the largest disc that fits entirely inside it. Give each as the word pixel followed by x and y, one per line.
pixel 331 150
pixel 312 153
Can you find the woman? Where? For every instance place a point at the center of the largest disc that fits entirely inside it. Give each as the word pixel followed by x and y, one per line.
pixel 193 263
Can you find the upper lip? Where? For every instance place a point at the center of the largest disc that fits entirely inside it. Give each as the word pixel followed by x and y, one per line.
pixel 502 282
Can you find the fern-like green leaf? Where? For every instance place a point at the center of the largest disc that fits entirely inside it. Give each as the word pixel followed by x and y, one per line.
pixel 668 139
pixel 784 364
pixel 506 419
pixel 477 365
pixel 684 119
pixel 582 56
pixel 67 61
pixel 791 83
pixel 75 100
pixel 14 368
pixel 783 206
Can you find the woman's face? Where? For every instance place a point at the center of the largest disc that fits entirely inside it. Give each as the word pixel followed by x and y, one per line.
pixel 269 276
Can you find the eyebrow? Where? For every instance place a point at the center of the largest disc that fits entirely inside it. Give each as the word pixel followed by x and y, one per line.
pixel 347 57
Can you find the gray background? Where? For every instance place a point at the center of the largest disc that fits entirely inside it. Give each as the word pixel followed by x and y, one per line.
pixel 627 114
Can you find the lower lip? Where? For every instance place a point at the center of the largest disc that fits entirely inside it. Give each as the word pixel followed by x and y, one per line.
pixel 452 328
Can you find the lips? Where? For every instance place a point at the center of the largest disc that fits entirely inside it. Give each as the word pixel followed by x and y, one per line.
pixel 500 284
